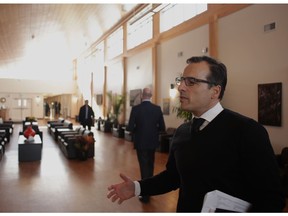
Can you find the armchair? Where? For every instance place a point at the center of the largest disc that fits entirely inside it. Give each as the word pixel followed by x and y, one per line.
pixel 165 138
pixel 9 124
pixel 106 126
pixel 118 131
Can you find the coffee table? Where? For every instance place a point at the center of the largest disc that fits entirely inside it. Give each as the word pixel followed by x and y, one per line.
pixel 29 151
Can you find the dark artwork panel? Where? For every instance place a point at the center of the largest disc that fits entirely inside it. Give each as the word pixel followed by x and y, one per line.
pixel 269 104
pixel 99 99
pixel 135 97
pixel 166 106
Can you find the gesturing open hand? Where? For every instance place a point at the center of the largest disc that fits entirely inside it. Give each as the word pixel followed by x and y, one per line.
pixel 121 191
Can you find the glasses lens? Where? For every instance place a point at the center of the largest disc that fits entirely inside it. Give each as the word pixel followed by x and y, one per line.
pixel 189 81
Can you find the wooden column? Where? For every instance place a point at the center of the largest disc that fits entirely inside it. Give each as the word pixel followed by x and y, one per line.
pixel 213 36
pixel 124 90
pixel 154 75
pixel 105 93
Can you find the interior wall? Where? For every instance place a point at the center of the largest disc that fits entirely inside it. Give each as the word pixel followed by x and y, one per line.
pixel 254 57
pixel 34 105
pixel 139 74
pixel 98 84
pixel 115 78
pixel 172 56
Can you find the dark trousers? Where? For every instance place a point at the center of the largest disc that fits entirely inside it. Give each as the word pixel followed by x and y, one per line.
pixel 146 160
pixel 88 123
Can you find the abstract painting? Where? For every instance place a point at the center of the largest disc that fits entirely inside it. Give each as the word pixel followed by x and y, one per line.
pixel 270 103
pixel 135 97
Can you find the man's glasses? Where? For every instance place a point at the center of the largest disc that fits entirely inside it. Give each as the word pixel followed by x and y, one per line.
pixel 190 81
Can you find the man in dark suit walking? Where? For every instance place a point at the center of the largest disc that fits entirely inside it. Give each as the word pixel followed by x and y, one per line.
pixel 86 115
pixel 219 150
pixel 145 122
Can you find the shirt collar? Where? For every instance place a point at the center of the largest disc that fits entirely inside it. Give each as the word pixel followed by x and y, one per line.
pixel 146 100
pixel 210 114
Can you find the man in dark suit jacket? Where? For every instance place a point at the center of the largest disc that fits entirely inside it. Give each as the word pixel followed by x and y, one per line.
pixel 227 152
pixel 86 115
pixel 145 122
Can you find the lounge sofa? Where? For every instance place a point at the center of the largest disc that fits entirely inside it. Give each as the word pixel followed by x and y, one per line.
pixel 66 124
pixel 68 144
pixel 5 133
pixel 52 123
pixel 9 124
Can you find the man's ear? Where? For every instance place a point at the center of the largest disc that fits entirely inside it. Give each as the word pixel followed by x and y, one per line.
pixel 216 90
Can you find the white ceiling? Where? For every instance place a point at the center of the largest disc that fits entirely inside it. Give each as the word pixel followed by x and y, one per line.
pixel 39 39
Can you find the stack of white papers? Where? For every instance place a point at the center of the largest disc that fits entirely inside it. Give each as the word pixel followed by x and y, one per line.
pixel 217 201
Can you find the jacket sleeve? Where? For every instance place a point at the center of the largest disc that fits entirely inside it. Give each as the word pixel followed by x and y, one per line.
pixel 163 182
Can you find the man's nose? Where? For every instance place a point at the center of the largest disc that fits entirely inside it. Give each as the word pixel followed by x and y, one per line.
pixel 182 86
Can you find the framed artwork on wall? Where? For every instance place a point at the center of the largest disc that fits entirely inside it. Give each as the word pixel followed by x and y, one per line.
pixel 99 99
pixel 270 104
pixel 166 106
pixel 135 97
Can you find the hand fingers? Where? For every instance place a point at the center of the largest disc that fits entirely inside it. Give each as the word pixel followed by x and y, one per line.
pixel 111 187
pixel 110 194
pixel 114 198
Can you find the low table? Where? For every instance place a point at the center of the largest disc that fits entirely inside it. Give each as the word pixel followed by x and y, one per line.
pixel 29 151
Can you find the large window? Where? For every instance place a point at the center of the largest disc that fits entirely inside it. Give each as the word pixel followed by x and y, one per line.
pixel 140 28
pixel 115 43
pixel 175 14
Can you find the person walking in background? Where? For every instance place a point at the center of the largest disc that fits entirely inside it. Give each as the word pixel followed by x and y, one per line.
pixel 146 122
pixel 86 115
pixel 218 150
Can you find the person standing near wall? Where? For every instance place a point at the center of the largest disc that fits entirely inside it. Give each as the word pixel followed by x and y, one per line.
pixel 218 150
pixel 145 122
pixel 86 115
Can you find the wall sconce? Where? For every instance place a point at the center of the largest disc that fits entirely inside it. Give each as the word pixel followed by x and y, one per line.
pixel 172 91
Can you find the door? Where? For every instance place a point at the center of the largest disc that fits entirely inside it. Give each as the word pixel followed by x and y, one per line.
pixel 21 108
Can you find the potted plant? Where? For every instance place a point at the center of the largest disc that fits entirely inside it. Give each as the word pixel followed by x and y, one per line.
pixel 117 101
pixel 187 116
